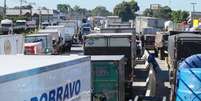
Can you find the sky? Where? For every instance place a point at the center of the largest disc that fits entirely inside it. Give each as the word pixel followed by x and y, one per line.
pixel 109 4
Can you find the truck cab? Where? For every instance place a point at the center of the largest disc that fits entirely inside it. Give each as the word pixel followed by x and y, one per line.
pixel 7 26
pixel 21 24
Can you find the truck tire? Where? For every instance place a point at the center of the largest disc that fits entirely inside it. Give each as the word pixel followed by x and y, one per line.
pixel 69 46
pixel 161 54
pixel 156 52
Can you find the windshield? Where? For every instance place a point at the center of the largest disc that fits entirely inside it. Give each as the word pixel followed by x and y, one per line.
pixel 6 25
pixel 20 23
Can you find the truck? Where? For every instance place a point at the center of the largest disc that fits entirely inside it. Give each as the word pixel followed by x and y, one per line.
pixel 114 44
pixel 108 81
pixel 60 37
pixel 111 44
pixel 161 44
pixel 7 26
pixel 20 25
pixel 45 78
pixel 44 39
pixel 11 44
pixel 68 33
pixel 180 46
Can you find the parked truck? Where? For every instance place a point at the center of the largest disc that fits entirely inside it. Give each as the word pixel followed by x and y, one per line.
pixel 45 78
pixel 181 46
pixel 68 32
pixel 61 38
pixel 114 44
pixel 7 26
pixel 108 77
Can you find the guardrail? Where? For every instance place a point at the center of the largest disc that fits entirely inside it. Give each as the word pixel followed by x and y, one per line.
pixel 150 83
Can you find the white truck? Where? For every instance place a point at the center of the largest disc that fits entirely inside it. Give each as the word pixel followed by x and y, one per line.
pixel 61 37
pixel 20 25
pixel 11 44
pixel 45 78
pixel 67 32
pixel 7 26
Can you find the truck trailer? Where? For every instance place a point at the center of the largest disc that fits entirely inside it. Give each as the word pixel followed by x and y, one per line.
pixel 181 46
pixel 11 44
pixel 114 44
pixel 45 78
pixel 108 77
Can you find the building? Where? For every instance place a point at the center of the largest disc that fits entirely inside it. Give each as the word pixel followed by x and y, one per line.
pixel 46 15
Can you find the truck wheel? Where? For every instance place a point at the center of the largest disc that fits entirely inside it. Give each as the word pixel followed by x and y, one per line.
pixel 161 54
pixel 69 47
pixel 156 52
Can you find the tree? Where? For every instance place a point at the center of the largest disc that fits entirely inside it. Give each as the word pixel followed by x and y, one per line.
pixel 100 11
pixel 64 8
pixel 76 8
pixel 163 12
pixel 179 16
pixel 126 10
pixel 148 12
pixel 24 7
pixel 44 8
pixel 81 11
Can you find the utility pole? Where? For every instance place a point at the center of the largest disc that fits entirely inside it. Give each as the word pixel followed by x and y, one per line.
pixel 4 10
pixel 20 7
pixel 193 4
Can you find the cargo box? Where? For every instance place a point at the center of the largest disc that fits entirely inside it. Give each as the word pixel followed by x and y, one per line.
pixel 112 44
pixel 108 77
pixel 183 45
pixel 45 78
pixel 11 44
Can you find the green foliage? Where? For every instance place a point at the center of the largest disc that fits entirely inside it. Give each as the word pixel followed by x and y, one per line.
pixel 126 10
pixel 81 11
pixel 24 7
pixel 179 16
pixel 166 13
pixel 148 12
pixel 64 8
pixel 163 12
pixel 100 11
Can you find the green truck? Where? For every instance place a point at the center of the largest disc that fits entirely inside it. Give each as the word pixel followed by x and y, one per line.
pixel 108 77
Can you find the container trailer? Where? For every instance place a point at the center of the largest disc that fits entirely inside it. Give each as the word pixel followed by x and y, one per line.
pixel 45 78
pixel 108 73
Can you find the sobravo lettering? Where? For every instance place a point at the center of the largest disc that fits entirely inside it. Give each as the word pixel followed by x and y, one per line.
pixel 61 93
